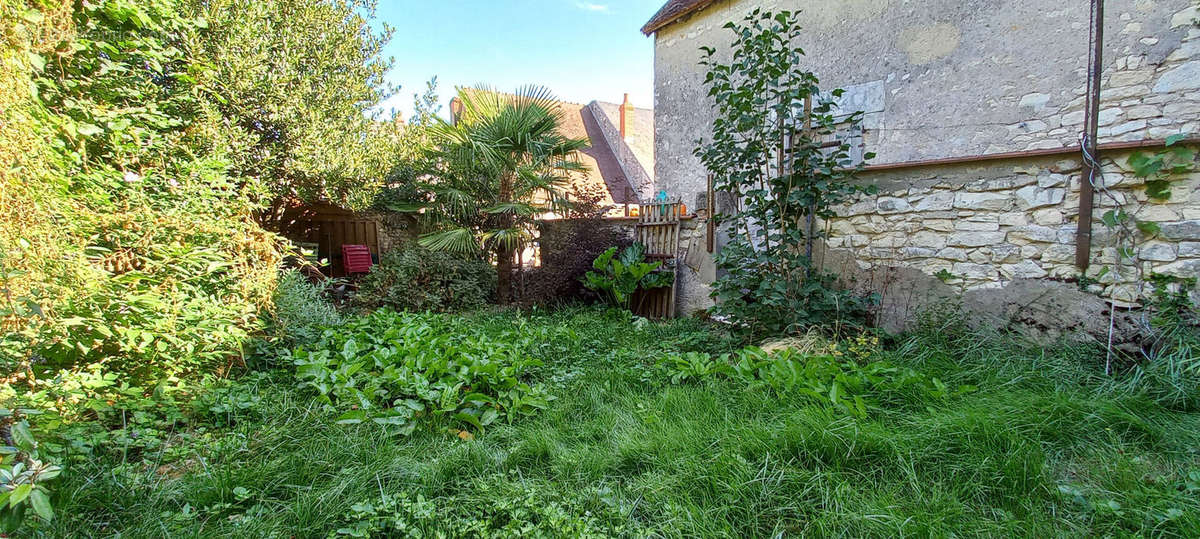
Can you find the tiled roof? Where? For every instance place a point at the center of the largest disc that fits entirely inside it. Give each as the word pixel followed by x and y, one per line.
pixel 600 161
pixel 671 12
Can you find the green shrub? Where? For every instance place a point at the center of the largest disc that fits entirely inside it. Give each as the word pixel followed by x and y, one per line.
pixel 23 472
pixel 403 369
pixel 618 277
pixel 301 310
pixel 415 279
pixel 770 283
pixel 568 249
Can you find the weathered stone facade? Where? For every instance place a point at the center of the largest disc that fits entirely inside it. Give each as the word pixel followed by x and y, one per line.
pixel 958 80
pixel 982 226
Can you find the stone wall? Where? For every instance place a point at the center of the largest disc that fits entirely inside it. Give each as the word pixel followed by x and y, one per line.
pixel 569 245
pixel 395 229
pixel 951 78
pixel 567 248
pixel 985 225
pixel 946 79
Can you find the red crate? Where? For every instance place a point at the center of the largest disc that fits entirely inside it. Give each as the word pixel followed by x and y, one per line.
pixel 356 259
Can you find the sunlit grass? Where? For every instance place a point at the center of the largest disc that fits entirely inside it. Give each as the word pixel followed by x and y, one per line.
pixel 1046 446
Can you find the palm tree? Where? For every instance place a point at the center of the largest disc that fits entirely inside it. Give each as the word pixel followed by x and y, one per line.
pixel 502 163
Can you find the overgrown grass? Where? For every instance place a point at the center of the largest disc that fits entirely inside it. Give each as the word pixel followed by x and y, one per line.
pixel 1046 446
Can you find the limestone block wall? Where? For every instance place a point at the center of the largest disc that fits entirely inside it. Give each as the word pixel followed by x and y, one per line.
pixel 987 224
pixel 951 78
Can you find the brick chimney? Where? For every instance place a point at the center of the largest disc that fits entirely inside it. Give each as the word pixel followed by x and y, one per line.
pixel 626 118
pixel 456 108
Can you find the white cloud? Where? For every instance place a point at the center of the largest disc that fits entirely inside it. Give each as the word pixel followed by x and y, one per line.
pixel 588 6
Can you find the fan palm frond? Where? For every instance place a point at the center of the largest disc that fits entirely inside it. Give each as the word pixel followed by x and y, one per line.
pixel 457 240
pixel 506 239
pixel 515 208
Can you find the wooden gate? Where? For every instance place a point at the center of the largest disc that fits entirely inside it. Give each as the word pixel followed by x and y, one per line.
pixel 658 231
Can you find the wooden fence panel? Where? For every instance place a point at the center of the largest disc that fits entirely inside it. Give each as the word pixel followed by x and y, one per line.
pixel 332 234
pixel 658 231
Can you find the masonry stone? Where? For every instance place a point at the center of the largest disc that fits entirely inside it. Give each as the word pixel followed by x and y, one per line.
pixel 1158 252
pixel 1184 77
pixel 1181 268
pixel 1006 253
pixel 1181 109
pixel 928 239
pixel 975 239
pixel 1032 196
pixel 940 201
pixel 973 271
pixel 1141 112
pixel 1026 269
pixel 983 201
pixel 953 253
pixel 1002 226
pixel 1181 230
pixel 977 225
pixel 1035 101
pixel 1048 217
pixel 888 205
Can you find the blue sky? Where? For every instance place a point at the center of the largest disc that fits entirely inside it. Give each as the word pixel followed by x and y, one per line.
pixel 581 50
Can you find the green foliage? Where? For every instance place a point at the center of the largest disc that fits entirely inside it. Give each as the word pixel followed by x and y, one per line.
pixel 1170 371
pixel 133 248
pixel 294 82
pixel 23 472
pixel 417 279
pixel 1157 169
pixel 504 512
pixel 618 277
pixel 624 452
pixel 301 310
pixel 768 153
pixel 130 255
pixel 500 164
pixel 846 386
pixel 404 370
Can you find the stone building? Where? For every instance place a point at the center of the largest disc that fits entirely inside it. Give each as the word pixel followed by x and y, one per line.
pixel 974 109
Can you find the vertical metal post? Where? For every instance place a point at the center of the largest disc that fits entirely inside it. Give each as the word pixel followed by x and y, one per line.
pixel 711 224
pixel 1091 162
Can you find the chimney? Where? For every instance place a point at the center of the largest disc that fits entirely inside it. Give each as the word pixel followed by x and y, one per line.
pixel 456 108
pixel 626 117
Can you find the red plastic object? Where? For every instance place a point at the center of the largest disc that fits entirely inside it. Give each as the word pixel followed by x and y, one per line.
pixel 356 259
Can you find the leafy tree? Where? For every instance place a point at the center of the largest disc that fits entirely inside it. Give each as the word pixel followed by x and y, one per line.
pixel 769 151
pixel 296 81
pixel 502 162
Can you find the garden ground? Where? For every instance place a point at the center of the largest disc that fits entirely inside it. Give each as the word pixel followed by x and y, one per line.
pixel 1010 440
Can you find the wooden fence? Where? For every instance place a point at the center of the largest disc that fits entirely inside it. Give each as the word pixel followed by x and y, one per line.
pixel 658 230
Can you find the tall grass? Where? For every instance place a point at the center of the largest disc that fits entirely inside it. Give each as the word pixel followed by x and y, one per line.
pixel 1046 446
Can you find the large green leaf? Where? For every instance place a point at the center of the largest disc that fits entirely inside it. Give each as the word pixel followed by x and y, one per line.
pixel 458 240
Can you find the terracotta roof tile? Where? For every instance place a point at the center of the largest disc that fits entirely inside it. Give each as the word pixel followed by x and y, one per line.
pixel 671 12
pixel 602 166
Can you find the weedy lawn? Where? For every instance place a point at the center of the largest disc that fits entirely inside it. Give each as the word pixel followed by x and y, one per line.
pixel 957 433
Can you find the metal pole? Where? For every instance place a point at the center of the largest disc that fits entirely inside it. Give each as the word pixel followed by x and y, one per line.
pixel 1091 163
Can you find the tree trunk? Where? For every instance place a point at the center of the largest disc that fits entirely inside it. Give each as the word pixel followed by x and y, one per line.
pixel 504 267
pixel 504 260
